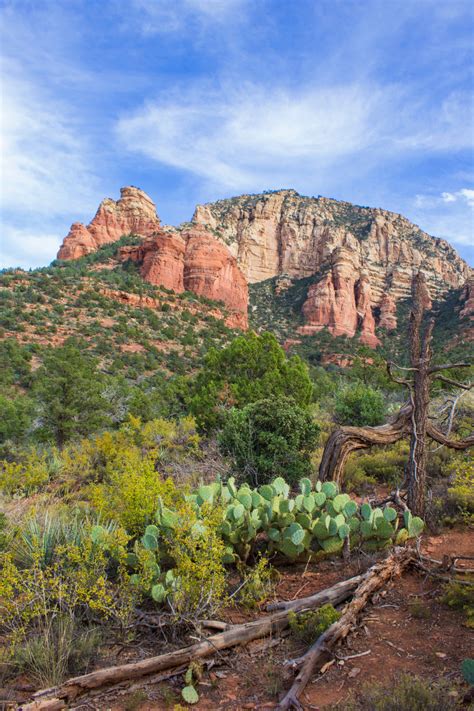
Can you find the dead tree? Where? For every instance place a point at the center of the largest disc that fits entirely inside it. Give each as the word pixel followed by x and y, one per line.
pixel 412 418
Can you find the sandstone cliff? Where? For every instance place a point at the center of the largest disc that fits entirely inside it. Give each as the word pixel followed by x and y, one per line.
pixel 133 213
pixel 193 260
pixel 367 256
pixel 360 260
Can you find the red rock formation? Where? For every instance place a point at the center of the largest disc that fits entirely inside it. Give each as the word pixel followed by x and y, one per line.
pixel 211 271
pixel 364 312
pixel 388 313
pixel 163 261
pixel 193 260
pixel 133 213
pixel 341 302
pixel 78 242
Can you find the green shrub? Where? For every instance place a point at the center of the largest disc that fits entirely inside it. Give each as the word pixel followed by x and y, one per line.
pixel 250 368
pixel 461 492
pixel 308 626
pixel 461 597
pixel 409 693
pixel 258 583
pixel 360 405
pixel 69 390
pixel 381 464
pixel 26 476
pixel 268 438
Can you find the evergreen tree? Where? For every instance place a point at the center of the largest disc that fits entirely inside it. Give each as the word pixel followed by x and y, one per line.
pixel 250 368
pixel 69 390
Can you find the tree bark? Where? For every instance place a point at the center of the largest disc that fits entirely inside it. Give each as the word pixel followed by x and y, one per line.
pixel 345 440
pixel 375 578
pixel 420 357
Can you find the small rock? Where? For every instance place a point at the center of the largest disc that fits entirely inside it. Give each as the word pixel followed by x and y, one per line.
pixel 354 672
pixel 441 655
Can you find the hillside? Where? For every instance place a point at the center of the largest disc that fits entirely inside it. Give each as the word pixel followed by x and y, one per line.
pixel 135 328
pixel 154 303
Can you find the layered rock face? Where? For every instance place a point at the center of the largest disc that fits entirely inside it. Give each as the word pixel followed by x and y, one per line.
pixel 210 270
pixel 341 302
pixel 133 213
pixel 193 260
pixel 368 256
pixel 362 260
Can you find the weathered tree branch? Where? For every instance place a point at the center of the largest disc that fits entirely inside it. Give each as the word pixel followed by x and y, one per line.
pixel 448 366
pixel 375 578
pixel 456 383
pixel 236 634
pixel 438 436
pixel 345 440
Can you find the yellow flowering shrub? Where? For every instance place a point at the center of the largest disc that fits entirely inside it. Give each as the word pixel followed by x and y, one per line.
pixel 87 578
pixel 26 476
pixel 198 550
pixel 130 493
pixel 461 492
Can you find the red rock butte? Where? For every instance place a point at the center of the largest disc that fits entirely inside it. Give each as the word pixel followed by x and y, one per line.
pixel 133 213
pixel 362 259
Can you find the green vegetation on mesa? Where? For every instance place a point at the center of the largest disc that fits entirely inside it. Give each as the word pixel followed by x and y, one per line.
pixel 72 299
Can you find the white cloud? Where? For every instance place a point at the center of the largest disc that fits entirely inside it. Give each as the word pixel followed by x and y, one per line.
pixel 448 197
pixel 448 215
pixel 468 196
pixel 248 134
pixel 44 160
pixel 163 16
pixel 27 248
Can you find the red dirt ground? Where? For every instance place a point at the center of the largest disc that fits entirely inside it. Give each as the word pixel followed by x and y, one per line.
pixel 433 646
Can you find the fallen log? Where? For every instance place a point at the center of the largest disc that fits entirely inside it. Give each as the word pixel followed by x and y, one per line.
pixel 313 600
pixel 374 579
pixel 235 635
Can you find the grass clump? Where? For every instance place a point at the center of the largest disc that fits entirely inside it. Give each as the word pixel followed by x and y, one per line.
pixel 58 649
pixel 409 693
pixel 461 597
pixel 419 609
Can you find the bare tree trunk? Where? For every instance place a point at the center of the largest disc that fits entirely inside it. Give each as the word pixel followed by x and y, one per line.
pixel 345 440
pixel 420 356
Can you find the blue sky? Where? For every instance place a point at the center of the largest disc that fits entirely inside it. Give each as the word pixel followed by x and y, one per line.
pixel 192 100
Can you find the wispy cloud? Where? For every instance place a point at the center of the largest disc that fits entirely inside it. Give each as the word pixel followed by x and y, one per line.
pixel 44 158
pixel 465 194
pixel 449 214
pixel 26 247
pixel 162 16
pixel 246 135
